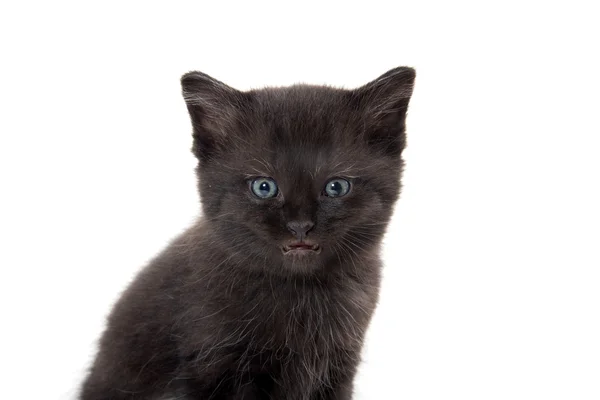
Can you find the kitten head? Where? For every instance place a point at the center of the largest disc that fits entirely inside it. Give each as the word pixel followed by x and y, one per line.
pixel 302 178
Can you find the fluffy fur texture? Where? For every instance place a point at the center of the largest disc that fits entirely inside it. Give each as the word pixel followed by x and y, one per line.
pixel 225 312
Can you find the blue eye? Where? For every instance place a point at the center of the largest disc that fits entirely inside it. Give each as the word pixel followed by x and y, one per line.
pixel 337 187
pixel 265 188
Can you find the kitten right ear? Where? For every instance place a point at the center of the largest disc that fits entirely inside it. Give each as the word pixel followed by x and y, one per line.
pixel 214 108
pixel 384 103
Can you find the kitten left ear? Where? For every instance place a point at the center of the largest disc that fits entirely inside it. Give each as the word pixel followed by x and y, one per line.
pixel 214 108
pixel 384 102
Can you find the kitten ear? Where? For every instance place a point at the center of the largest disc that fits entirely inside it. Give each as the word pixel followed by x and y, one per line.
pixel 384 102
pixel 214 108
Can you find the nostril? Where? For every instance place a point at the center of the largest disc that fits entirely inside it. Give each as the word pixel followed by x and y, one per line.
pixel 300 228
pixel 307 226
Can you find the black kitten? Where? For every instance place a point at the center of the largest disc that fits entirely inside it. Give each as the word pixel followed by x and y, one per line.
pixel 269 295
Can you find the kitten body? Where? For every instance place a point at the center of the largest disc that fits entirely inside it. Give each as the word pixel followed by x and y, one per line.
pixel 270 294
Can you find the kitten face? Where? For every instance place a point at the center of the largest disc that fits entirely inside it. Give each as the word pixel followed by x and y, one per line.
pixel 300 178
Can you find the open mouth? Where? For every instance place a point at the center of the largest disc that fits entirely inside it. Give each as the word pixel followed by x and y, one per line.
pixel 301 247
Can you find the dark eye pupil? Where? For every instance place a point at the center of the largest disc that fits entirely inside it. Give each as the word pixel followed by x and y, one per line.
pixel 336 187
pixel 264 187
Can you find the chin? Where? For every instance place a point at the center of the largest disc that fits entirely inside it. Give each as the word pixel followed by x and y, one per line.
pixel 302 260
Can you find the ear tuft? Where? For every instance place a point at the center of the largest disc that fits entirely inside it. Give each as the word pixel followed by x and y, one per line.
pixel 390 92
pixel 201 89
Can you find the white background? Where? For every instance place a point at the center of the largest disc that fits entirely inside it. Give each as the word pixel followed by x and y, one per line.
pixel 492 283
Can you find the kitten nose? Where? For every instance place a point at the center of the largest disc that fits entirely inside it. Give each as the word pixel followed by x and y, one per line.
pixel 300 228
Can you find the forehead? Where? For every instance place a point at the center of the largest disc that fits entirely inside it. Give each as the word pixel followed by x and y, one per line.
pixel 302 130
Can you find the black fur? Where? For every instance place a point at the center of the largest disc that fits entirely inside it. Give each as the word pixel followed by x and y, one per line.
pixel 223 312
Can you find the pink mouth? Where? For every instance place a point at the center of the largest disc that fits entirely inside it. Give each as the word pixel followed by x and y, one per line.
pixel 301 247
